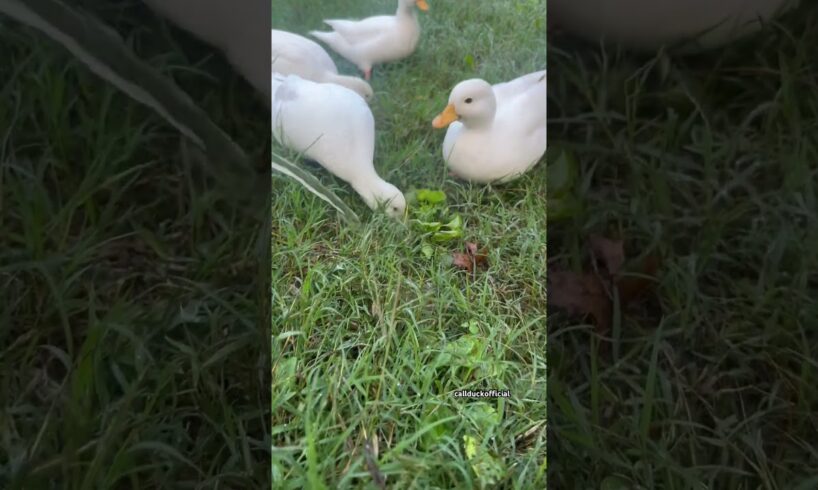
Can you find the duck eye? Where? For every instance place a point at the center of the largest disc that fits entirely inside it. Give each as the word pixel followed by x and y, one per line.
pixel 469 100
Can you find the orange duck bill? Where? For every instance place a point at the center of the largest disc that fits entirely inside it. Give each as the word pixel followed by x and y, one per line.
pixel 448 116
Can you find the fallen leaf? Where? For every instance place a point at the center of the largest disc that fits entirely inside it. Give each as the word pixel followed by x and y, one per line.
pixel 480 257
pixel 631 287
pixel 580 294
pixel 462 261
pixel 588 294
pixel 471 259
pixel 610 252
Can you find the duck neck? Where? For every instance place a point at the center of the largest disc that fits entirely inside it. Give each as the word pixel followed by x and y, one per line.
pixel 480 123
pixel 405 10
pixel 367 187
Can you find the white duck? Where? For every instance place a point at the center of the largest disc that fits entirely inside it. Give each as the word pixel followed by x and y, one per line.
pixel 649 24
pixel 496 133
pixel 378 39
pixel 334 126
pixel 297 55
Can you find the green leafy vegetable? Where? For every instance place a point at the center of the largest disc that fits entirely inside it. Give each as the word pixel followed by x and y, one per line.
pixel 430 216
pixel 433 436
pixel 431 197
pixel 428 250
pixel 488 469
pixel 472 326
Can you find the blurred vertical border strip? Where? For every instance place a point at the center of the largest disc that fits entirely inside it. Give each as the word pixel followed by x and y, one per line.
pixel 104 52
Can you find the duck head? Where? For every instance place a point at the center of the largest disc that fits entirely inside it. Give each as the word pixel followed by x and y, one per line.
pixel 409 4
pixel 379 194
pixel 472 102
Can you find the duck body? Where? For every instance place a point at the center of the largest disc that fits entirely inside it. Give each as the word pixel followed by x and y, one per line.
pixel 650 24
pixel 375 40
pixel 495 133
pixel 334 126
pixel 296 55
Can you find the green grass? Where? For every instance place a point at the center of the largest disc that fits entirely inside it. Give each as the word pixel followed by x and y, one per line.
pixel 129 335
pixel 371 337
pixel 711 162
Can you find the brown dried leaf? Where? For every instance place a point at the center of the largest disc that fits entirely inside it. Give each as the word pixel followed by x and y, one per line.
pixel 631 287
pixel 462 261
pixel 480 257
pixel 580 294
pixel 587 294
pixel 610 252
pixel 473 258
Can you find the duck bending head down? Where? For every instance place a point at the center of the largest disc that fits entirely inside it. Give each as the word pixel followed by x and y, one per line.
pixel 334 126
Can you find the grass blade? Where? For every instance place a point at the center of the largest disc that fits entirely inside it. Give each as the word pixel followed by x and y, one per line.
pixel 313 185
pixel 104 52
pixel 102 49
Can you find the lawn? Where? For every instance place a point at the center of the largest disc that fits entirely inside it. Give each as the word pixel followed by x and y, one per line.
pixel 709 162
pixel 134 329
pixel 373 330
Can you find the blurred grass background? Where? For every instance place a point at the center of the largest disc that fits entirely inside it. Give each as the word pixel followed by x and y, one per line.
pixel 710 162
pixel 130 337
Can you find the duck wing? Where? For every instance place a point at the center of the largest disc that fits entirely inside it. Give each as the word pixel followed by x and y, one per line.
pixel 327 123
pixel 355 31
pixel 522 103
pixel 519 86
pixel 294 54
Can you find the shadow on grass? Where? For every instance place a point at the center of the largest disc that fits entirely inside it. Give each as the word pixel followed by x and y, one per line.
pixel 710 161
pixel 134 331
